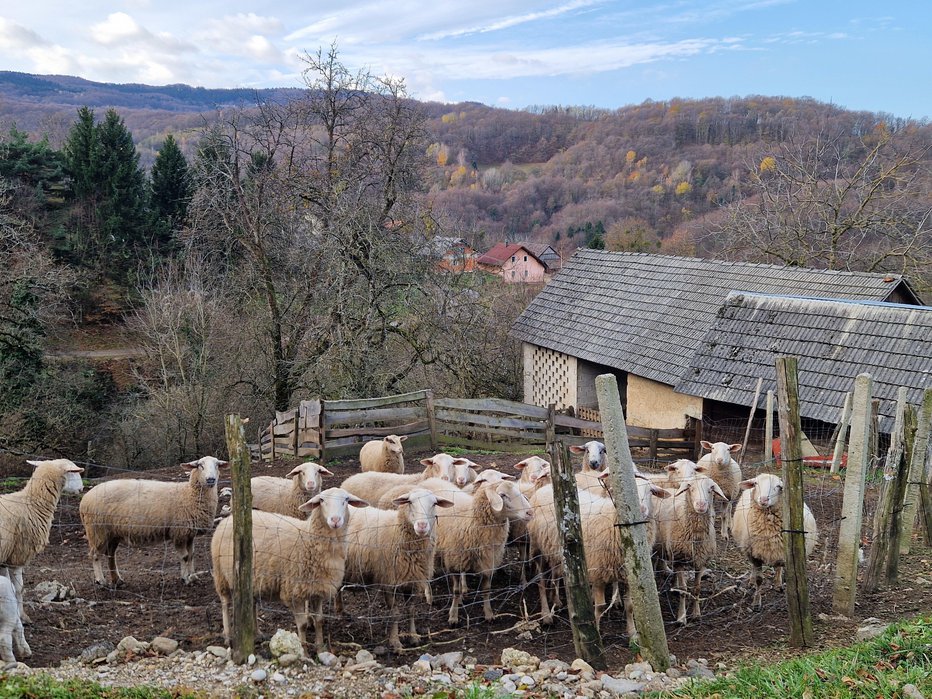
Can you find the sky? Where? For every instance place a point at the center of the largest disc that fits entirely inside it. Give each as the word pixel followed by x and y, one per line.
pixel 507 53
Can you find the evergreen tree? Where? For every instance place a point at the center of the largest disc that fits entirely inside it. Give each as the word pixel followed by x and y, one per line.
pixel 170 192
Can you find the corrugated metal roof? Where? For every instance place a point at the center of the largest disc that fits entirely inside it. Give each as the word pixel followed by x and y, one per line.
pixel 834 341
pixel 646 314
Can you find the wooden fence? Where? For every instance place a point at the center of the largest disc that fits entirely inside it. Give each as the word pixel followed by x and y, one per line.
pixel 330 428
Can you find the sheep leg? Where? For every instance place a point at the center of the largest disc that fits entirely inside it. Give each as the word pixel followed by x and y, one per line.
pixel 459 588
pixel 757 579
pixel 598 602
pixel 225 615
pixel 16 576
pixel 394 642
pixel 19 641
pixel 726 522
pixel 486 585
pixel 338 601
pixel 778 577
pixel 6 645
pixel 98 567
pixel 697 589
pixel 185 549
pixel 299 608
pixel 115 578
pixel 681 586
pixel 412 630
pixel 633 634
pixel 543 572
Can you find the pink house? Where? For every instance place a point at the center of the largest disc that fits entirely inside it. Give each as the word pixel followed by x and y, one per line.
pixel 514 263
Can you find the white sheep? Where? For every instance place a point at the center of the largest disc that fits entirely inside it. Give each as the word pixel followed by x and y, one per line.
pixel 300 561
pixel 384 455
pixel 464 472
pixel 471 537
pixel 437 486
pixel 394 550
pixel 11 625
pixel 757 527
pixel 143 511
pixel 725 471
pixel 286 495
pixel 594 459
pixel 686 533
pixel 26 517
pixel 533 473
pixel 371 485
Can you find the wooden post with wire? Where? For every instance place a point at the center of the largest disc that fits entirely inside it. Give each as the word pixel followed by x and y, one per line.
pixel 918 473
pixel 243 632
pixel 747 431
pixel 768 431
pixel 794 535
pixel 842 436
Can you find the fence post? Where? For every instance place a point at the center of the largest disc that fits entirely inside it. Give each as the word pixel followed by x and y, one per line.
pixel 768 431
pixel 849 535
pixel 654 434
pixel 431 420
pixel 243 636
pixel 586 637
pixel 272 443
pixel 917 473
pixel 747 431
pixel 639 570
pixel 875 432
pixel 697 438
pixel 842 433
pixel 794 535
pixel 886 520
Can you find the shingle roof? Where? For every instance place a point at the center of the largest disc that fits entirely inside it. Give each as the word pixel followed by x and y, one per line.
pixel 834 340
pixel 646 314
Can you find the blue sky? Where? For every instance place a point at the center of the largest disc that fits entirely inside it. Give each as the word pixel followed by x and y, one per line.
pixel 510 53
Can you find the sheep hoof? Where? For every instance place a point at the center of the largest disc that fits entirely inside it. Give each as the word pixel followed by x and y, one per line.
pixel 24 618
pixel 681 621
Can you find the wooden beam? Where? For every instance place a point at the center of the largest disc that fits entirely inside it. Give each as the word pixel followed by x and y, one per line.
pixel 843 422
pixel 917 471
pixel 747 431
pixel 243 632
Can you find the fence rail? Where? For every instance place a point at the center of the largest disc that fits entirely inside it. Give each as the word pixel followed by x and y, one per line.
pixel 330 428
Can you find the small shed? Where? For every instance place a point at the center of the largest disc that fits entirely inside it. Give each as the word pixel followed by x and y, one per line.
pixel 642 316
pixel 514 263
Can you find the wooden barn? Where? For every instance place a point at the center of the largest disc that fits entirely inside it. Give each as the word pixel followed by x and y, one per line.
pixel 643 317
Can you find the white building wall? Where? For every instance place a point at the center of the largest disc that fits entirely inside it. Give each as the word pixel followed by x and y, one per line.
pixel 549 377
pixel 656 405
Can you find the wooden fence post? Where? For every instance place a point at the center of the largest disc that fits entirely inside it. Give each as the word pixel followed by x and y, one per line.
pixel 243 636
pixel 747 431
pixel 794 535
pixel 886 519
pixel 648 618
pixel 586 637
pixel 849 535
pixel 842 436
pixel 768 431
pixel 875 433
pixel 431 420
pixel 917 472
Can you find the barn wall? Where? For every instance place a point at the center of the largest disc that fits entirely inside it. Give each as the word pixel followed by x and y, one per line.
pixel 656 405
pixel 585 383
pixel 549 377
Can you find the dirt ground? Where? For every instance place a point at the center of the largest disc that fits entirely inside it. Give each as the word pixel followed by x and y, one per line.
pixel 154 601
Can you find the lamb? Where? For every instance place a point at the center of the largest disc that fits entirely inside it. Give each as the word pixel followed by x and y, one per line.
pixel 471 537
pixel 143 511
pixel 395 551
pixel 384 455
pixel 301 562
pixel 686 533
pixel 11 626
pixel 757 527
pixel 371 485
pixel 26 517
pixel 594 459
pixel 286 495
pixel 725 471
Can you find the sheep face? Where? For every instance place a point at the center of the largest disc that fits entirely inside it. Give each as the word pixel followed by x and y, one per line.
pixel 393 443
pixel 681 469
pixel 721 451
pixel 420 507
pixel 700 490
pixel 442 466
pixel 490 475
pixel 309 476
pixel 767 489
pixel 206 470
pixel 505 496
pixel 531 468
pixel 71 471
pixel 463 470
pixel 647 491
pixel 334 504
pixel 594 459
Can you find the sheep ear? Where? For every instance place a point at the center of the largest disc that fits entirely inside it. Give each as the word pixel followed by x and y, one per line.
pixel 443 502
pixel 402 438
pixel 34 463
pixel 748 484
pixel 467 462
pixel 357 502
pixel 311 504
pixel 603 475
pixel 734 448
pixel 401 500
pixel 659 492
pixel 294 472
pixel 495 500
pixel 706 445
pixel 702 468
pixel 577 450
pixel 324 471
pixel 190 465
pixel 521 464
pixel 718 491
pixel 76 469
pixel 427 462
pixel 508 477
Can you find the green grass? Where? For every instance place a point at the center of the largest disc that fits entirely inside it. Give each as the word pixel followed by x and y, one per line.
pixel 875 668
pixel 36 686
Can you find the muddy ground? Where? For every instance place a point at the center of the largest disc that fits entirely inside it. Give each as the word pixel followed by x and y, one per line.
pixel 155 602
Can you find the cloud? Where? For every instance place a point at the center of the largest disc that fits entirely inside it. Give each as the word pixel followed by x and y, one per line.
pixel 508 22
pixel 246 34
pixel 16 37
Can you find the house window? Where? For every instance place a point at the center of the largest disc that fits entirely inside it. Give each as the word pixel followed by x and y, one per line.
pixel 525 274
pixel 512 258
pixel 525 258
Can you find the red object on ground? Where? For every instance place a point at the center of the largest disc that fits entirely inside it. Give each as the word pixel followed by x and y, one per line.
pixel 817 461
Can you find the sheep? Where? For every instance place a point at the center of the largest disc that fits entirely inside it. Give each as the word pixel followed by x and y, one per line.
pixel 464 472
pixel 686 533
pixel 673 475
pixel 437 486
pixel 26 517
pixel 384 455
pixel 594 459
pixel 471 537
pixel 301 561
pixel 532 469
pixel 395 551
pixel 11 625
pixel 371 485
pixel 757 528
pixel 142 511
pixel 286 495
pixel 725 471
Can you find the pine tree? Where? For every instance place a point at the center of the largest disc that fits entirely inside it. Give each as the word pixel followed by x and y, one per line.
pixel 170 192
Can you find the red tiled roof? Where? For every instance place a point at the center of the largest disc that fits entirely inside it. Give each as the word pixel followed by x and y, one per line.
pixel 501 252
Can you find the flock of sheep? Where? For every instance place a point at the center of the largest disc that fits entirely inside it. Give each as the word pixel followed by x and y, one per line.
pixel 396 531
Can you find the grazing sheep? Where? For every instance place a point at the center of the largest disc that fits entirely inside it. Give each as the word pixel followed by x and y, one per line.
pixel 300 561
pixel 394 550
pixel 371 485
pixel 471 537
pixel 11 626
pixel 384 455
pixel 26 517
pixel 594 459
pixel 725 471
pixel 686 533
pixel 286 495
pixel 142 511
pixel 757 527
